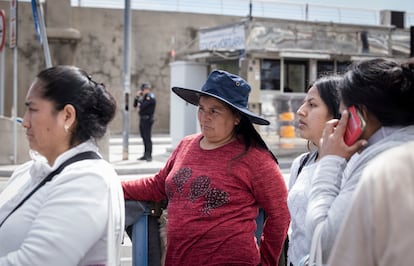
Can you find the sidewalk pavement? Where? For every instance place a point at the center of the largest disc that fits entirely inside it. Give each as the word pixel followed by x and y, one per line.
pixel 284 149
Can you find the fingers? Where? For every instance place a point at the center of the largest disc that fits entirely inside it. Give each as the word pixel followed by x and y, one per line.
pixel 329 129
pixel 331 125
pixel 332 141
pixel 357 146
pixel 341 127
pixel 326 143
pixel 337 127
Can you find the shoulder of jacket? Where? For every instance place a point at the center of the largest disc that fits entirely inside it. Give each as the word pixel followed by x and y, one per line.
pixel 149 96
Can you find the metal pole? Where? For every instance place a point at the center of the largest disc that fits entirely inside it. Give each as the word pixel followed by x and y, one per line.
pixel 14 115
pixel 2 69
pixel 13 45
pixel 282 74
pixel 2 60
pixel 250 10
pixel 126 79
pixel 43 34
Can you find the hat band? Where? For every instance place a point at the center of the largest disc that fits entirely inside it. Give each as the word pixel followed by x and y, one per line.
pixel 229 96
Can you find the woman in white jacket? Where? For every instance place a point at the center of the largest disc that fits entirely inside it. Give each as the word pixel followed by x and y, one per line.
pixel 320 105
pixel 77 217
pixel 376 230
pixel 383 91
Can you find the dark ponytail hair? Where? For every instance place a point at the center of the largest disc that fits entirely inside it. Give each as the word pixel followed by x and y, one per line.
pixel 384 87
pixel 95 106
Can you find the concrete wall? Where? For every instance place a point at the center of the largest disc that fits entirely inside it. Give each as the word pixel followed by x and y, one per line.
pixel 8 140
pixel 92 38
pixel 7 155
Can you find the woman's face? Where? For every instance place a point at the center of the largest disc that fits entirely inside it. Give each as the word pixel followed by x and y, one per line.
pixel 313 115
pixel 45 127
pixel 217 121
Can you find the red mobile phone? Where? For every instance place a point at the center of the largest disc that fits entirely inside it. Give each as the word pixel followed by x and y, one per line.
pixel 355 126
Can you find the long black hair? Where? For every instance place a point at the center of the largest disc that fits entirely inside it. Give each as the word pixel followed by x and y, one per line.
pixel 327 87
pixel 250 136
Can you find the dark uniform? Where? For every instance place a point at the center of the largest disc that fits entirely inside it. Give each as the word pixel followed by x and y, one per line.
pixel 146 105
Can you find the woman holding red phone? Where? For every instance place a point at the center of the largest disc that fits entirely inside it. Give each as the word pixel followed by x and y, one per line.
pixel 382 91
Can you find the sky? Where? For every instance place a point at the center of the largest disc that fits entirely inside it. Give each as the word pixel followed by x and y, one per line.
pixel 395 5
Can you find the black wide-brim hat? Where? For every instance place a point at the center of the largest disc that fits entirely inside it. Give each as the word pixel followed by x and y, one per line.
pixel 225 87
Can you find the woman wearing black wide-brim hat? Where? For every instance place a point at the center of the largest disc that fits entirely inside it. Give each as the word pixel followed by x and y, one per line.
pixel 217 180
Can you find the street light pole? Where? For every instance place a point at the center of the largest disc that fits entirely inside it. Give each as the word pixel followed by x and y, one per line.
pixel 40 24
pixel 126 79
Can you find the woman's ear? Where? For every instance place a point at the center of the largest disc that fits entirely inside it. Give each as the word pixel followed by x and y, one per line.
pixel 372 124
pixel 69 113
pixel 369 118
pixel 237 120
pixel 364 111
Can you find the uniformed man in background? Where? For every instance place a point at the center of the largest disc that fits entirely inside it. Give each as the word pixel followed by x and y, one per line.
pixel 145 102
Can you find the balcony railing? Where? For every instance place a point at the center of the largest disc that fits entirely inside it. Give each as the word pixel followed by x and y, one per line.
pixel 259 8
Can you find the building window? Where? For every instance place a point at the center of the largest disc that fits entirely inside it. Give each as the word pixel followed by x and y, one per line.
pixel 328 67
pixel 325 68
pixel 296 76
pixel 342 67
pixel 270 75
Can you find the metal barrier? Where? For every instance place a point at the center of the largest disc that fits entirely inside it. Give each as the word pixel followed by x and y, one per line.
pixel 141 234
pixel 143 228
pixel 140 240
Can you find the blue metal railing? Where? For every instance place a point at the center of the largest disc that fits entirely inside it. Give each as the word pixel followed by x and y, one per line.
pixel 140 240
pixel 140 236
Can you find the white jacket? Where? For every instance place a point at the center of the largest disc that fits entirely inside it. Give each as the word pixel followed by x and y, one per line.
pixel 66 221
pixel 377 228
pixel 335 180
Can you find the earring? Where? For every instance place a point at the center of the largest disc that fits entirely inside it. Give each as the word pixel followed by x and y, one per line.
pixel 66 127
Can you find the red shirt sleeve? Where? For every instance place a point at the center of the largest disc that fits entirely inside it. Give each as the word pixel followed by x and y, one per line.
pixel 149 188
pixel 271 193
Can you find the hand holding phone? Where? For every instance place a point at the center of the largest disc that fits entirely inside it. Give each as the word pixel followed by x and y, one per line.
pixel 355 126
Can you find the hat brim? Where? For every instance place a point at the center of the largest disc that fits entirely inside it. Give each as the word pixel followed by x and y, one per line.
pixel 193 96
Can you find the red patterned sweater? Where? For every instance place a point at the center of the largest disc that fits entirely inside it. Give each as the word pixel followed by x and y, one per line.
pixel 213 202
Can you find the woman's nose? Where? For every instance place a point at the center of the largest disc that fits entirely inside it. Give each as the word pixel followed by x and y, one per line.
pixel 300 111
pixel 25 121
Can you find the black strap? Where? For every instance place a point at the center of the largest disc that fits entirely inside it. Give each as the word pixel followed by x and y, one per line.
pixel 303 161
pixel 77 157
